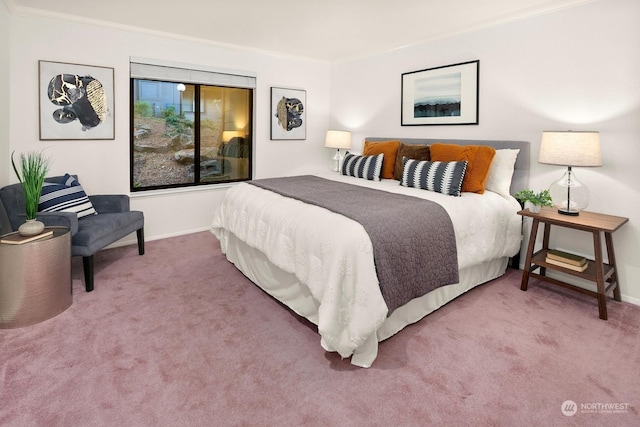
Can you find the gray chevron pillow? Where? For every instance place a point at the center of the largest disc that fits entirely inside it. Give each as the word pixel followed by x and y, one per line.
pixel 367 167
pixel 443 177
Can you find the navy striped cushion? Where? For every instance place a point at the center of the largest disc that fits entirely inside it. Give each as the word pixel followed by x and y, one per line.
pixel 367 167
pixel 66 197
pixel 443 177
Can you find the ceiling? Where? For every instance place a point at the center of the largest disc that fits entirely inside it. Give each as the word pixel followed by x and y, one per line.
pixel 325 30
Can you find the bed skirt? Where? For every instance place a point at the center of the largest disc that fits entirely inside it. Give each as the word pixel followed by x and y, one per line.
pixel 286 288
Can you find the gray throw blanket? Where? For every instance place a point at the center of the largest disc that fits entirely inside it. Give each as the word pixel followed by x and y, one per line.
pixel 413 239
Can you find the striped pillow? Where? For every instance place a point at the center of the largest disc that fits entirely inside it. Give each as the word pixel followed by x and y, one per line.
pixel 66 197
pixel 367 167
pixel 443 177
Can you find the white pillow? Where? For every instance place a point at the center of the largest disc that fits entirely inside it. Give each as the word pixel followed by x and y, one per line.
pixel 501 171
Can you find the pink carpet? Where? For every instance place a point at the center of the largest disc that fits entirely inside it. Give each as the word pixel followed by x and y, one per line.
pixel 178 337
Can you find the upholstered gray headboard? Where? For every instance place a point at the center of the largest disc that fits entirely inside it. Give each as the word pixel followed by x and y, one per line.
pixel 520 179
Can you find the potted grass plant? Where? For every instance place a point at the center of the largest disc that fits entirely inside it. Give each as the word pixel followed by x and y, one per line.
pixel 31 174
pixel 533 200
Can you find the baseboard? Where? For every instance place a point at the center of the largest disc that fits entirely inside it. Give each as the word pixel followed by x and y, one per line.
pixel 631 300
pixel 133 241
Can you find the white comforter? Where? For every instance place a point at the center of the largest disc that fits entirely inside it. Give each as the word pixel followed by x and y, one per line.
pixel 333 256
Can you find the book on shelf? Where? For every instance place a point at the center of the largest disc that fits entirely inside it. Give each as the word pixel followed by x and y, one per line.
pixel 18 239
pixel 567 265
pixel 566 257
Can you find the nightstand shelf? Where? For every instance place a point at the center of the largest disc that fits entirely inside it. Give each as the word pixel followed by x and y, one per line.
pixel 589 274
pixel 603 274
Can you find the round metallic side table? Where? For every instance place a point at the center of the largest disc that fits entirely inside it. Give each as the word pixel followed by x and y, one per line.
pixel 35 279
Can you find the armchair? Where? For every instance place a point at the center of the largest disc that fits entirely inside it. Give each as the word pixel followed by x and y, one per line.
pixel 90 233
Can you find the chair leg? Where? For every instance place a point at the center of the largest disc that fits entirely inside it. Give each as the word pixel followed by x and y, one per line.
pixel 140 234
pixel 87 262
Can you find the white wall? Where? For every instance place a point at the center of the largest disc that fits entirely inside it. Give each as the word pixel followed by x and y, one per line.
pixel 103 166
pixel 576 69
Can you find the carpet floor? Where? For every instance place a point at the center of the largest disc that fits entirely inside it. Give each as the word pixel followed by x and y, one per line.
pixel 178 337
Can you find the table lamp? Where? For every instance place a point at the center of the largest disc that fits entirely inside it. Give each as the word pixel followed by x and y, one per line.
pixel 569 148
pixel 337 139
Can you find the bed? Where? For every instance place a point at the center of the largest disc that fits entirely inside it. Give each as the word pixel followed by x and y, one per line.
pixel 322 264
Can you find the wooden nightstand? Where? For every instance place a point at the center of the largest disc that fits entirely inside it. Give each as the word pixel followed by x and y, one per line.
pixel 599 272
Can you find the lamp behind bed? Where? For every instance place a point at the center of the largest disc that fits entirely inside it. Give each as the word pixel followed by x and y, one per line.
pixel 337 139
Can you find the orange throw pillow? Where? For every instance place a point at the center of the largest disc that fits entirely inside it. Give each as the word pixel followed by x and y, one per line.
pixel 389 149
pixel 479 158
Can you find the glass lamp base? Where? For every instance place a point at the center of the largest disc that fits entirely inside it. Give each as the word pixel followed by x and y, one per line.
pixel 336 161
pixel 568 212
pixel 569 195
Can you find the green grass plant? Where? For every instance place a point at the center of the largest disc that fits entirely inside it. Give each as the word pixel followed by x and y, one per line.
pixel 543 198
pixel 33 170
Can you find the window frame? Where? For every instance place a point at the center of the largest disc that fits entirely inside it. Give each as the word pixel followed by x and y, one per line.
pixel 199 77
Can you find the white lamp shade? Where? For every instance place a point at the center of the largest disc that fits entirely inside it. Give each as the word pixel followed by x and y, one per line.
pixel 338 139
pixel 569 148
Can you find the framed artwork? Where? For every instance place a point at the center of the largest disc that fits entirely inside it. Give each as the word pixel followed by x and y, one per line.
pixel 76 101
pixel 288 116
pixel 446 95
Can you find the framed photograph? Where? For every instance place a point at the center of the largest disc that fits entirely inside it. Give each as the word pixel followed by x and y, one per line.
pixel 446 95
pixel 288 115
pixel 76 101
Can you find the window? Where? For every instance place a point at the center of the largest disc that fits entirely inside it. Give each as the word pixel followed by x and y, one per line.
pixel 189 127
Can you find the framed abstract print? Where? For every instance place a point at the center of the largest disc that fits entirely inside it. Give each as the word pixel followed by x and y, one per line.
pixel 446 95
pixel 288 115
pixel 76 101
